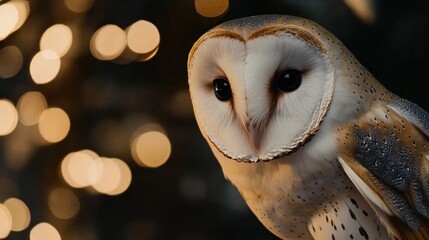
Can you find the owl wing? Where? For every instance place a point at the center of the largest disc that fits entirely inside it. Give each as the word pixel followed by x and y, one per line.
pixel 385 153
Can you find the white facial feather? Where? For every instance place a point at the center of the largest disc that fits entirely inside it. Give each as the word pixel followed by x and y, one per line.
pixel 260 122
pixel 220 57
pixel 293 111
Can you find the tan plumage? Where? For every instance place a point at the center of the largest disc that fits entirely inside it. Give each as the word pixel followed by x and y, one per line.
pixel 316 146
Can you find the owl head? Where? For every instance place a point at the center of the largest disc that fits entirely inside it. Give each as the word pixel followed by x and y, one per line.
pixel 261 86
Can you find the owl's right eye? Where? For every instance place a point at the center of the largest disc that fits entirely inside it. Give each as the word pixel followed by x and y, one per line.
pixel 222 89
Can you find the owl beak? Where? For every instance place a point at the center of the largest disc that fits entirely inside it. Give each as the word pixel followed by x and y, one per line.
pixel 254 134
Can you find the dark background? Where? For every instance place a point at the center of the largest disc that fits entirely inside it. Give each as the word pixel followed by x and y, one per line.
pixel 162 203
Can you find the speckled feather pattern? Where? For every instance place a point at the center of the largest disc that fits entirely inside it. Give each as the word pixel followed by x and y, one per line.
pixel 322 205
pixel 390 154
pixel 306 193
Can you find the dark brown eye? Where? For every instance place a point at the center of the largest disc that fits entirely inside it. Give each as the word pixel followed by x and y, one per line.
pixel 222 89
pixel 289 80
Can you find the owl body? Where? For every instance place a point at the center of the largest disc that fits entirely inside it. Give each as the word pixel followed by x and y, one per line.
pixel 316 146
pixel 305 196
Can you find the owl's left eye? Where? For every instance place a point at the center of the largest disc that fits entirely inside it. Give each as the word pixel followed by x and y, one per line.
pixel 222 89
pixel 289 80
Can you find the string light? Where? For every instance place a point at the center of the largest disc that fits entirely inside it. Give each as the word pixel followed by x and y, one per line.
pixel 44 231
pixel 8 117
pixel 12 16
pixel 10 61
pixel 63 203
pixel 20 214
pixel 9 17
pixel 23 8
pixel 140 42
pixel 363 9
pixel 30 106
pixel 211 8
pixel 108 42
pixel 110 177
pixel 79 6
pixel 148 56
pixel 54 125
pixel 143 37
pixel 6 221
pixel 125 179
pixel 57 38
pixel 85 168
pixel 45 66
pixel 78 168
pixel 181 104
pixel 151 149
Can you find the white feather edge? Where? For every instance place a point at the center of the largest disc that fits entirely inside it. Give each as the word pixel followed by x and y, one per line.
pixel 364 189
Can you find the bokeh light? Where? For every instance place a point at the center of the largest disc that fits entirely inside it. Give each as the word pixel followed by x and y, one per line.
pixel 6 221
pixel 8 117
pixel 95 170
pixel 85 168
pixel 20 147
pixel 143 37
pixel 110 176
pixel 44 231
pixel 147 127
pixel 54 124
pixel 125 180
pixel 45 66
pixel 181 104
pixel 115 177
pixel 211 8
pixel 363 9
pixel 9 17
pixel 57 38
pixel 30 106
pixel 151 149
pixel 19 212
pixel 79 168
pixel 10 61
pixel 147 56
pixel 63 203
pixel 23 8
pixel 108 42
pixel 79 6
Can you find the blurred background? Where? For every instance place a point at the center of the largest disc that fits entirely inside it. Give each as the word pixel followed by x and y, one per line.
pixel 97 135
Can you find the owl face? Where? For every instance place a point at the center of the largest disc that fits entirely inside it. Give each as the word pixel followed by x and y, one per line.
pixel 260 87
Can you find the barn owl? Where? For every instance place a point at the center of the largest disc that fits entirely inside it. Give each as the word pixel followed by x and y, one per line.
pixel 315 145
